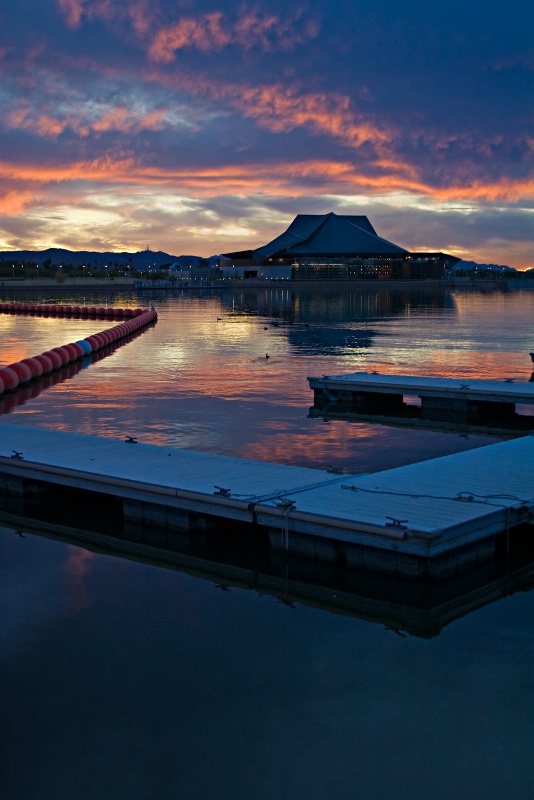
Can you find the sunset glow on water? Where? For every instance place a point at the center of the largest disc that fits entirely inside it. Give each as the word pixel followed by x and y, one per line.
pixel 122 677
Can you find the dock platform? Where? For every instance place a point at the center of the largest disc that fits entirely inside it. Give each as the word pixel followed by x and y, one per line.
pixel 444 508
pixel 474 401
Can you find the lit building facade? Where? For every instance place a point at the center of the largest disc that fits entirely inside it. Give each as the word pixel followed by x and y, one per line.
pixel 333 247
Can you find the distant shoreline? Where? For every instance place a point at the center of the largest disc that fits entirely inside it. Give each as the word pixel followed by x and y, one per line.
pixel 7 285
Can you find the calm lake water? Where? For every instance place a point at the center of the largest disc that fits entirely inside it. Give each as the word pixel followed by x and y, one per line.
pixel 124 679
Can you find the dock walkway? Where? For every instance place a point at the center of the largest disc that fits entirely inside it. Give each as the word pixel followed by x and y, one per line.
pixel 422 510
pixel 459 388
pixel 489 402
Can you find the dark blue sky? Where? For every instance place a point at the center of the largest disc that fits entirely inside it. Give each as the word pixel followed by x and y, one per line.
pixel 205 127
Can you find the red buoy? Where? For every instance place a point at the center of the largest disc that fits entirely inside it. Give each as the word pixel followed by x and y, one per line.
pixel 55 358
pixel 71 350
pixel 45 362
pixel 100 339
pixel 63 354
pixel 95 344
pixel 22 371
pixel 36 368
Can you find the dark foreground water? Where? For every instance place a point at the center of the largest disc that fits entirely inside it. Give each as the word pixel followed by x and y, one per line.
pixel 123 678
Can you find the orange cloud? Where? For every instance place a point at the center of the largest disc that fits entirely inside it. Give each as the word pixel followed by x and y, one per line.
pixel 120 118
pixel 274 107
pixel 211 32
pixel 282 178
pixel 45 125
pixel 139 12
pixel 16 201
pixel 280 110
pixel 204 33
pixel 96 169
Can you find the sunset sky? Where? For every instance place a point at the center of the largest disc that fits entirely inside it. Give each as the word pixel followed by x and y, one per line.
pixel 205 127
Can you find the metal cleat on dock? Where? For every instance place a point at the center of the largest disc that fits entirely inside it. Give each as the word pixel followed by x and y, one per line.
pixel 223 492
pixel 17 454
pixel 131 439
pixel 465 496
pixel 289 505
pixel 395 523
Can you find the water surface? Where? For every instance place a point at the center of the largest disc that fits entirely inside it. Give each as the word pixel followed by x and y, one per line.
pixel 124 679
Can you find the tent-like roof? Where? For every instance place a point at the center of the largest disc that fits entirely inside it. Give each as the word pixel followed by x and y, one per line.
pixel 326 235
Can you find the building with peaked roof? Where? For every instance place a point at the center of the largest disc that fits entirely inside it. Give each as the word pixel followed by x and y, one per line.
pixel 340 247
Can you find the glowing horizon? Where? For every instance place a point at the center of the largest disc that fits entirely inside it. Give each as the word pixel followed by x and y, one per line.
pixel 207 129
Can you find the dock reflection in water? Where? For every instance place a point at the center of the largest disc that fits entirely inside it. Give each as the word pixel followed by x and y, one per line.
pixel 238 556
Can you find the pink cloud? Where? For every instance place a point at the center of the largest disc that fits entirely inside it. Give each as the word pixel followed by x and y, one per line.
pixel 281 109
pixel 253 27
pixel 140 12
pixel 204 33
pixel 120 118
pixel 73 11
pixel 210 32
pixel 142 16
pixel 270 30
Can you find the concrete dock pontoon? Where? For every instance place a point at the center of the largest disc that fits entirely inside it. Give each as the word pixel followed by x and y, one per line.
pixel 418 519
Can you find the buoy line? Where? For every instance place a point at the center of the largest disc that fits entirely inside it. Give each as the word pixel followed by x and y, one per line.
pixel 34 367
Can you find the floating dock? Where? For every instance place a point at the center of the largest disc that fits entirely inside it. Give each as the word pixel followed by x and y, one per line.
pixel 421 519
pixel 490 403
